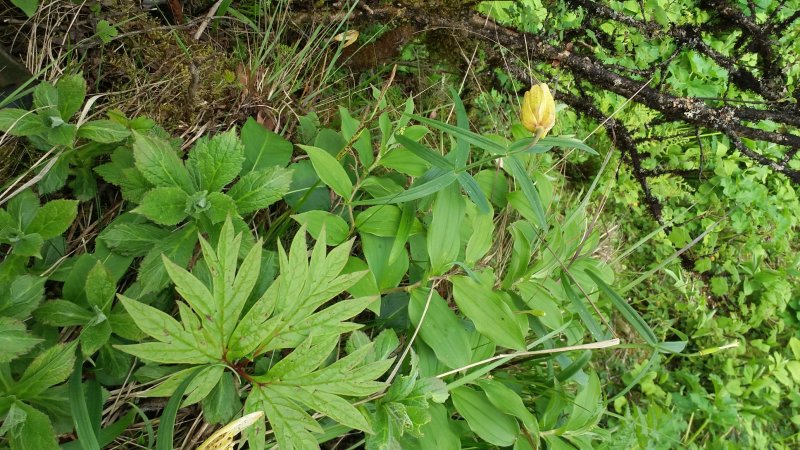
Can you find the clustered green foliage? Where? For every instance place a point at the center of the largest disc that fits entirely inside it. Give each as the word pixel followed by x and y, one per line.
pixel 447 300
pixel 736 301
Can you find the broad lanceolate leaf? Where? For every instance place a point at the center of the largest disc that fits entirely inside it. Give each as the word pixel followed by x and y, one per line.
pixel 217 161
pixel 440 328
pixel 443 235
pixel 587 408
pixel 263 148
pixel 260 188
pixel 508 401
pixel 488 422
pixel 330 171
pixel 491 315
pixel 336 229
pixel 159 163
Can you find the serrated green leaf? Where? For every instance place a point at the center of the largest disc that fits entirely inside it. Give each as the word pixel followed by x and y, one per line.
pixel 133 239
pixel 164 205
pixel 196 294
pixel 53 218
pixel 71 94
pixel 28 245
pixel 168 331
pixel 103 131
pixel 34 432
pixel 23 297
pixel 221 207
pixel 14 339
pixel 49 368
pixel 178 247
pixel 100 287
pixel 45 101
pixel 260 188
pixel 217 161
pixel 159 163
pixel 19 122
pixel 63 313
pixel 222 403
pixel 95 335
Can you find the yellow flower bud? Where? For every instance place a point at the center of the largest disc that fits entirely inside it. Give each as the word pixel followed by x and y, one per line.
pixel 538 110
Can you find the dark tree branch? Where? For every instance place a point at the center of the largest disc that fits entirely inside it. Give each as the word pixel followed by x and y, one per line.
pixel 690 110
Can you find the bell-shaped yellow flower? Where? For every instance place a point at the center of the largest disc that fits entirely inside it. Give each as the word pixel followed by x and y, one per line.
pixel 538 110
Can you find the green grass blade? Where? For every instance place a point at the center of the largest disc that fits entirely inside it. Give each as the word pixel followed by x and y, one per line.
pixel 578 364
pixel 462 145
pixel 628 313
pixel 413 193
pixel 475 139
pixel 107 434
pixel 584 313
pixel 474 191
pixel 80 412
pixel 425 153
pixel 166 427
pixel 403 231
pixel 528 189
pixel 546 144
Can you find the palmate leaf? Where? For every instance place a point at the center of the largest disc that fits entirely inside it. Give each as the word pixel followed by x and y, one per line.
pixel 287 312
pixel 297 384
